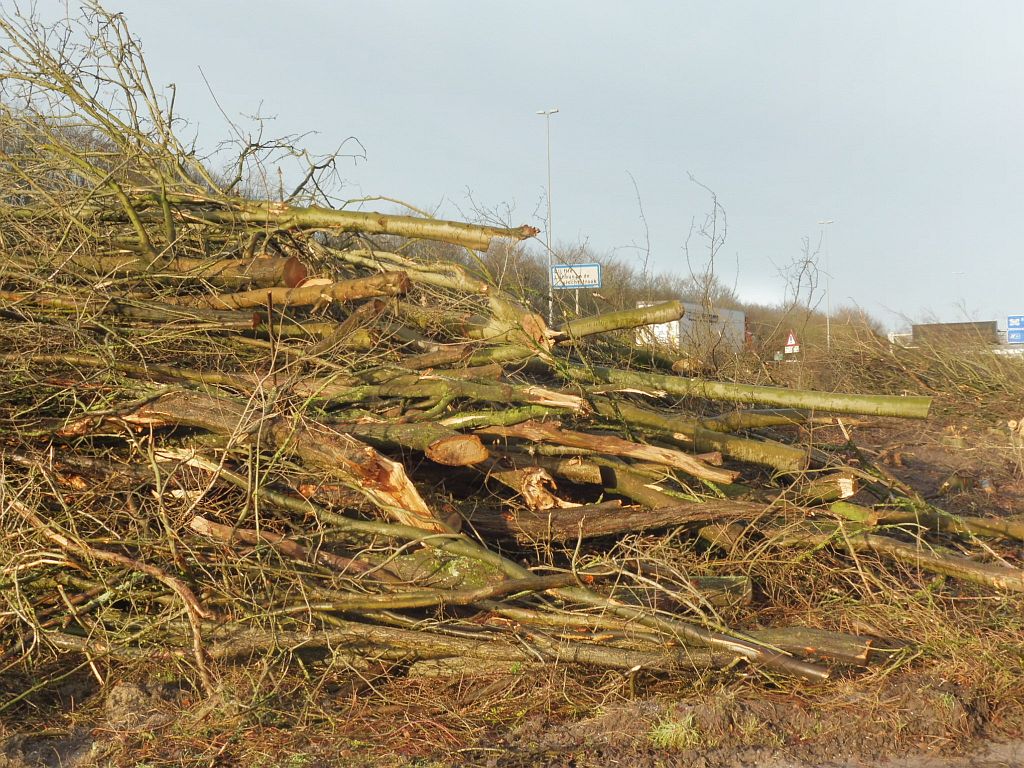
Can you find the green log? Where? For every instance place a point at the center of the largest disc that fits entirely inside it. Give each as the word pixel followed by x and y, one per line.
pixel 936 520
pixel 665 312
pixel 874 405
pixel 785 458
pixel 916 554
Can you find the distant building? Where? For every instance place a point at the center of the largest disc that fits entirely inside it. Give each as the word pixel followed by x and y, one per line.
pixel 702 331
pixel 956 334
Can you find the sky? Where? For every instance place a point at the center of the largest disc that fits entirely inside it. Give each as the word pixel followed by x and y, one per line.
pixel 901 122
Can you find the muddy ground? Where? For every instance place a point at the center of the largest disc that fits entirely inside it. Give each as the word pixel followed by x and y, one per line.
pixel 914 716
pixel 911 722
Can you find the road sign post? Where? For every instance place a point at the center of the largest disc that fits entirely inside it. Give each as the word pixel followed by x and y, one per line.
pixel 792 345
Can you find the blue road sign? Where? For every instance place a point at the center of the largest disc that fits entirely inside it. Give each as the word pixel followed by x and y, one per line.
pixel 1015 329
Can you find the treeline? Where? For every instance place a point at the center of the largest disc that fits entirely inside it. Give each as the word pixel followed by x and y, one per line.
pixel 521 269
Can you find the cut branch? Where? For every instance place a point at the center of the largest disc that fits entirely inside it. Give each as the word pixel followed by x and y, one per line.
pixel 538 431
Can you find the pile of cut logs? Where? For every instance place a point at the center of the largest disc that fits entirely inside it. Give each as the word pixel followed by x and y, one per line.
pixel 232 426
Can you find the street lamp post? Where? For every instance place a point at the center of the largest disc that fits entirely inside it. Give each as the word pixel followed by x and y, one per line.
pixel 551 293
pixel 828 285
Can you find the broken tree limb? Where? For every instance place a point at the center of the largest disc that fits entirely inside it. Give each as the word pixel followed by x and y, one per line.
pixel 382 480
pixel 691 430
pixel 594 520
pixel 232 534
pixel 917 555
pixel 288 217
pixel 261 271
pixel 515 329
pixel 908 407
pixel 821 644
pixel 387 284
pixel 759 418
pixel 495 418
pixel 194 609
pixel 937 520
pixel 400 644
pixel 682 631
pixel 436 442
pixel 437 385
pixel 824 487
pixel 614 476
pixel 538 431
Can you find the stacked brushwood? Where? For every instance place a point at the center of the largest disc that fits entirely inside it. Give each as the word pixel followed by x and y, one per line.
pixel 234 427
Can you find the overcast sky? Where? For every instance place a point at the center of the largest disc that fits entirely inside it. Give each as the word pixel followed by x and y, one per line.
pixel 902 122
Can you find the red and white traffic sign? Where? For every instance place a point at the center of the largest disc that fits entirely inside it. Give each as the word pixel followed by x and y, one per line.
pixel 792 345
